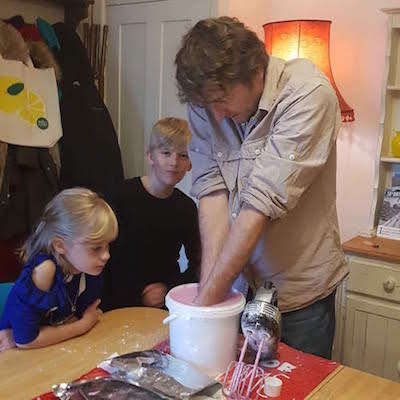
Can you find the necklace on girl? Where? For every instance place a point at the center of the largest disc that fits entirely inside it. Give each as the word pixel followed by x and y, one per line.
pixel 50 315
pixel 81 289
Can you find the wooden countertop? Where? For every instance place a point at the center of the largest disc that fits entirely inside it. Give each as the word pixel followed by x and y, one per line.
pixel 376 247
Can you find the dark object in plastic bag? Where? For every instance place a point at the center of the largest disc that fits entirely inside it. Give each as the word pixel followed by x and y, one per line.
pixel 107 388
pixel 162 374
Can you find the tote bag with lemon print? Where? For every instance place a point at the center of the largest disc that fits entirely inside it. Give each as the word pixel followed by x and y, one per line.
pixel 29 107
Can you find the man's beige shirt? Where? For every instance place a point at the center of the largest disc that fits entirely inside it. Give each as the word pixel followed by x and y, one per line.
pixel 281 162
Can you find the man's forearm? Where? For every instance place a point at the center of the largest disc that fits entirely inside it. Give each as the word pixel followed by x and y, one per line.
pixel 214 228
pixel 242 239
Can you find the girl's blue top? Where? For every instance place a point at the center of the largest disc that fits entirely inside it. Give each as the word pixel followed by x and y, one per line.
pixel 28 308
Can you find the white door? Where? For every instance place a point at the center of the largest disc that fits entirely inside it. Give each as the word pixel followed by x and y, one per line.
pixel 143 39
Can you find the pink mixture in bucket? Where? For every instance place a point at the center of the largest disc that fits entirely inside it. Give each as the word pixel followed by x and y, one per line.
pixel 185 294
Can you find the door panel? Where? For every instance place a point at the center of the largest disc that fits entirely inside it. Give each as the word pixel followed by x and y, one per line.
pixel 132 105
pixel 371 336
pixel 143 39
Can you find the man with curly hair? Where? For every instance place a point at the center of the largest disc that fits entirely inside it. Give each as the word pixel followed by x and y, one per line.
pixel 264 171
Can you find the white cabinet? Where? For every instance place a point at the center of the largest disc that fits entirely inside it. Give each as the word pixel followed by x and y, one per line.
pixel 368 330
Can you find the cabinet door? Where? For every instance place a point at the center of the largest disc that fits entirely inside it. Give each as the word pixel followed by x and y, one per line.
pixel 144 37
pixel 372 336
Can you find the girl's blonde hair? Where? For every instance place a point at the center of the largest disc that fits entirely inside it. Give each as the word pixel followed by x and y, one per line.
pixel 73 213
pixel 170 131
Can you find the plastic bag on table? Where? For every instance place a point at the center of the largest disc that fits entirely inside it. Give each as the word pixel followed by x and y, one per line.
pixel 105 388
pixel 162 374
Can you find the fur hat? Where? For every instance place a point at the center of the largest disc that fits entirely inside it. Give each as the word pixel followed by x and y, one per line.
pixel 42 57
pixel 12 45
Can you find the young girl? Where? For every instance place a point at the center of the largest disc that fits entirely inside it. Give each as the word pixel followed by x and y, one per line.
pixel 61 280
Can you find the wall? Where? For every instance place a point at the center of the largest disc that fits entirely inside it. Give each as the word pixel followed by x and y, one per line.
pixel 358 37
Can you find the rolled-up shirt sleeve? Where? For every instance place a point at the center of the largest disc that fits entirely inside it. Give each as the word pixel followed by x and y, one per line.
pixel 206 175
pixel 302 138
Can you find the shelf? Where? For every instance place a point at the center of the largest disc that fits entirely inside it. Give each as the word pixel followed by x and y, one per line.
pixel 391 10
pixel 74 10
pixel 388 166
pixel 376 247
pixel 73 2
pixel 65 3
pixel 394 160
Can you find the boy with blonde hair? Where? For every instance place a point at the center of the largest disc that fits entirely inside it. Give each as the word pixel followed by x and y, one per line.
pixel 155 220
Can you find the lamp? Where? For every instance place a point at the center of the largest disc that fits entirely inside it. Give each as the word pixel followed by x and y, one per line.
pixel 305 39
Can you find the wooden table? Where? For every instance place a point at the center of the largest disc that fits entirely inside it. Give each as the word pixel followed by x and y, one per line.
pixel 27 373
pixel 351 384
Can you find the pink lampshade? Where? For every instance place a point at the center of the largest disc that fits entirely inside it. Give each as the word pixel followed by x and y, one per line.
pixel 305 39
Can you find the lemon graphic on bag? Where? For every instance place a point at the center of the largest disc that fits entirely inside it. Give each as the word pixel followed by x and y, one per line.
pixel 15 98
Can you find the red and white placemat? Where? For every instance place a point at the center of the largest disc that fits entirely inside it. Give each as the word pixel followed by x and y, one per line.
pixel 300 372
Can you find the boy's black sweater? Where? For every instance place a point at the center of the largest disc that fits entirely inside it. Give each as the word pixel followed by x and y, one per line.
pixel 151 233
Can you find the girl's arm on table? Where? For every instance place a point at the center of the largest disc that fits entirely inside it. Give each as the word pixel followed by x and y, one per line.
pixel 49 335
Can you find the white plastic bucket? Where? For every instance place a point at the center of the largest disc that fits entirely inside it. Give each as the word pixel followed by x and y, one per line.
pixel 206 337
